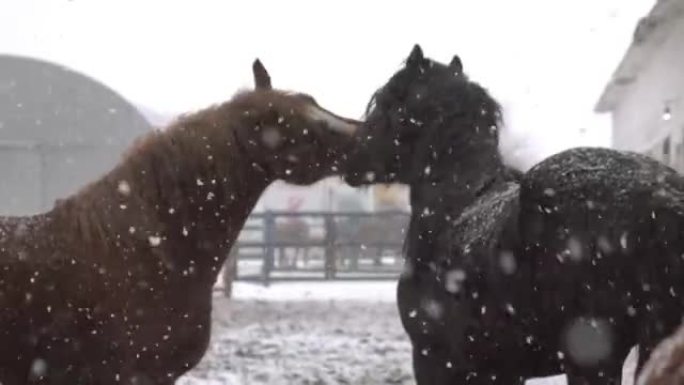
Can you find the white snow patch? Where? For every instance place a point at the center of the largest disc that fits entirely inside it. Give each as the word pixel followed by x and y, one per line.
pixel 382 291
pixel 326 333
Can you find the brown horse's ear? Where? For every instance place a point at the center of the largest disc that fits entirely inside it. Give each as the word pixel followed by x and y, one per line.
pixel 415 57
pixel 456 65
pixel 262 80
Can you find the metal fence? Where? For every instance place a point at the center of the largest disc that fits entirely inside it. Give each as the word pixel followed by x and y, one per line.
pixel 319 245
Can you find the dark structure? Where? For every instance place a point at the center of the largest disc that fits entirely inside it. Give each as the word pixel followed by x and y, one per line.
pixel 114 285
pixel 513 276
pixel 58 131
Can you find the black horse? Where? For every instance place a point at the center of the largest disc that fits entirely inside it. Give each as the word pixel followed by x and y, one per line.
pixel 510 276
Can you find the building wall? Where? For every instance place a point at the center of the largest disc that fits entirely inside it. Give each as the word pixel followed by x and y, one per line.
pixel 638 119
pixel 67 170
pixel 21 186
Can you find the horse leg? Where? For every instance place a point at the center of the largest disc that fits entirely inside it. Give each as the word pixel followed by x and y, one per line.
pixel 230 273
pixel 377 261
pixel 306 256
pixel 292 262
pixel 295 260
pixel 282 257
pixel 430 369
pixel 354 261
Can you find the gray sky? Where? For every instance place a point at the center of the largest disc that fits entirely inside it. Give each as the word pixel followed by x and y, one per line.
pixel 546 60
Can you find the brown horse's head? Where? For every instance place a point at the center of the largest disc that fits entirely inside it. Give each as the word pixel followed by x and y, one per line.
pixel 289 135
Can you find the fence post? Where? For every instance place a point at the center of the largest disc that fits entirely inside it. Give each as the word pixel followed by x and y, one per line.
pixel 330 238
pixel 230 270
pixel 269 239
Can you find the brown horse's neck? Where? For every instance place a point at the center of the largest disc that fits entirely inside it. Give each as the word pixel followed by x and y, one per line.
pixel 186 192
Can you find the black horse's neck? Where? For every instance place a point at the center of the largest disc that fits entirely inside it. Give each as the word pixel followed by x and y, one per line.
pixel 437 201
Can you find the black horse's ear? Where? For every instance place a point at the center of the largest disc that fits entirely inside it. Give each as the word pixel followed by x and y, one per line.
pixel 456 65
pixel 415 57
pixel 262 80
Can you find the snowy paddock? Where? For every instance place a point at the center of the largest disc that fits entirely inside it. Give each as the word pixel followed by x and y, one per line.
pixel 320 333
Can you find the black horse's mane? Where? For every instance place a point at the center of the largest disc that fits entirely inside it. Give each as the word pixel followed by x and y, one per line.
pixel 456 90
pixel 461 116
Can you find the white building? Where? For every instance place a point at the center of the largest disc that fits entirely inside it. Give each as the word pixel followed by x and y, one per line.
pixel 645 96
pixel 58 131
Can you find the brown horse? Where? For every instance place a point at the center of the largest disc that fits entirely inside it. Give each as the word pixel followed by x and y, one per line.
pixel 114 285
pixel 666 364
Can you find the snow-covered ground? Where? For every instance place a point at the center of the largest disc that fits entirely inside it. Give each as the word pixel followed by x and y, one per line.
pixel 320 333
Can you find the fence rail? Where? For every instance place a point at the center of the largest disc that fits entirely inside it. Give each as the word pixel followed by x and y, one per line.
pixel 317 245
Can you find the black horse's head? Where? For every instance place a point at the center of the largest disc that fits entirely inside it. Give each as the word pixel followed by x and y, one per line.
pixel 428 116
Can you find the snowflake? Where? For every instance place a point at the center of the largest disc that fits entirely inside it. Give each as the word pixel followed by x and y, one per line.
pixel 124 188
pixel 154 240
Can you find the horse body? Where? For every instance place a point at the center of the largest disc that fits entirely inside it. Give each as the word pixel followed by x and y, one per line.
pixel 617 257
pixel 508 276
pixel 114 285
pixel 295 230
pixel 463 298
pixel 106 268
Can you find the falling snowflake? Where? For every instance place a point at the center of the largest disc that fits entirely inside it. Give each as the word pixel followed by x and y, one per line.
pixel 510 309
pixel 507 262
pixel 271 137
pixel 575 249
pixel 433 309
pixel 623 240
pixel 38 368
pixel 453 280
pixel 124 188
pixel 589 340
pixel 604 245
pixel 154 240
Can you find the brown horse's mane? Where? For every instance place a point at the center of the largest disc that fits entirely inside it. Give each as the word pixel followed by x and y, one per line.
pixel 149 178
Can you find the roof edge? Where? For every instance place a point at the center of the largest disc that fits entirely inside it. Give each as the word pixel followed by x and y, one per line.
pixel 650 31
